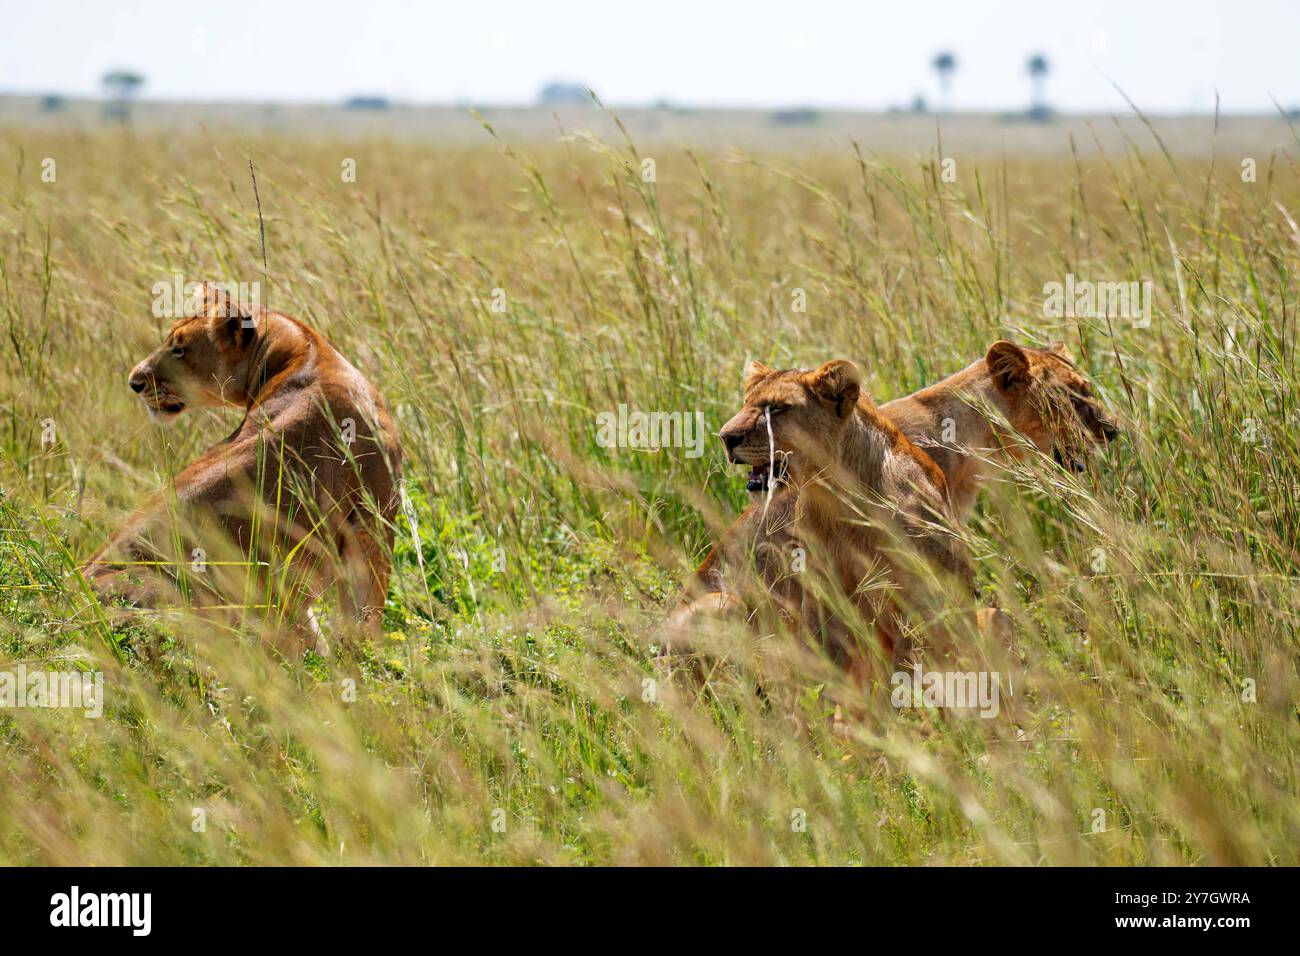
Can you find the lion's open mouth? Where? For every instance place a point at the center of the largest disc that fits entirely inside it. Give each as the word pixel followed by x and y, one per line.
pixel 164 407
pixel 760 476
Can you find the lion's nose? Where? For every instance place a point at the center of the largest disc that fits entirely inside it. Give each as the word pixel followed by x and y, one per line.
pixel 730 440
pixel 1109 432
pixel 137 382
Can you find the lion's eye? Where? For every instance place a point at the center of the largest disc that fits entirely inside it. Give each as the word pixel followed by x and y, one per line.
pixel 178 350
pixel 777 409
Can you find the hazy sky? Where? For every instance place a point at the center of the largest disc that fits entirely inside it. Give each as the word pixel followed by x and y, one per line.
pixel 1168 56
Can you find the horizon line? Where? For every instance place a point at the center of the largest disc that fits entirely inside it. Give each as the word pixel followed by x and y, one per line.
pixel 662 104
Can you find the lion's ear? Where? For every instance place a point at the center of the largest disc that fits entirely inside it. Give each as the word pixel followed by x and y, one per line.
pixel 754 372
pixel 837 383
pixel 1008 365
pixel 1060 349
pixel 232 323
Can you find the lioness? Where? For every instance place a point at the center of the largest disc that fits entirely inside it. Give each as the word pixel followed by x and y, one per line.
pixel 1039 392
pixel 862 490
pixel 306 486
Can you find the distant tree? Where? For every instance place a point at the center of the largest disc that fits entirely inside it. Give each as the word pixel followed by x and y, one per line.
pixel 945 64
pixel 798 116
pixel 1037 67
pixel 121 87
pixel 52 103
pixel 559 94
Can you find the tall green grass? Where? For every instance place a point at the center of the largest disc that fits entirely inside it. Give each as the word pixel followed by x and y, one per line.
pixel 513 711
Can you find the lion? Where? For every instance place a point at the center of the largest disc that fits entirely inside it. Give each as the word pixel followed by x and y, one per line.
pixel 863 495
pixel 305 489
pixel 1040 393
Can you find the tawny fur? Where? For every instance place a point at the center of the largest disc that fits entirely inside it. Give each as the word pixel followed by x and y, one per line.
pixel 1038 392
pixel 285 482
pixel 859 490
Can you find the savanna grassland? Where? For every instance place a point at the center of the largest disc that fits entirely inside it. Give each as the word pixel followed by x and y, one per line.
pixel 513 711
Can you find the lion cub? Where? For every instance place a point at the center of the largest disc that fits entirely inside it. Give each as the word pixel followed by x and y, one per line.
pixel 304 491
